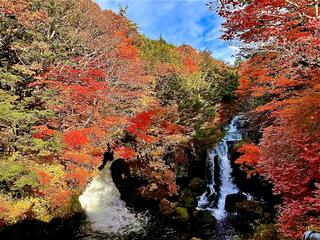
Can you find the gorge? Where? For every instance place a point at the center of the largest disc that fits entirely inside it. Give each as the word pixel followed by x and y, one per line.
pixel 109 133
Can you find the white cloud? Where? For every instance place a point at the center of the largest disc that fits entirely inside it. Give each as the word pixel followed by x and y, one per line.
pixel 178 21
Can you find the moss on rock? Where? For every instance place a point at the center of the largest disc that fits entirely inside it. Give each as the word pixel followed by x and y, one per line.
pixel 182 214
pixel 265 232
pixel 249 209
pixel 203 219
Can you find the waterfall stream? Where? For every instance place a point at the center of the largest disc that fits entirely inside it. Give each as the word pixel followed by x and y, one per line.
pixel 227 185
pixel 108 217
pixel 105 209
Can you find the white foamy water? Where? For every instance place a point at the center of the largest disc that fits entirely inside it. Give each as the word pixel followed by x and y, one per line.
pixel 105 209
pixel 227 185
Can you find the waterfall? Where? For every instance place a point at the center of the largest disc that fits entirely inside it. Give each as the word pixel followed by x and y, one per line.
pixel 226 186
pixel 105 209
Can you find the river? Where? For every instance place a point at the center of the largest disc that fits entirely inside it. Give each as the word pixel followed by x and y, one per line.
pixel 108 217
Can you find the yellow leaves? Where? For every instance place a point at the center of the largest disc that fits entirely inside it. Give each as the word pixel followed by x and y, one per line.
pixel 176 139
pixel 14 210
pixel 23 70
pixel 20 208
pixel 157 153
pixel 147 101
pixel 195 82
pixel 40 210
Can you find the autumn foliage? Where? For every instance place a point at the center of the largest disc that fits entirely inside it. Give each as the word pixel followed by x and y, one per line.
pixel 280 83
pixel 76 79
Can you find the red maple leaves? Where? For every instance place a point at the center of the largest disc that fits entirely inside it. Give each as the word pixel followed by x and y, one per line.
pixel 140 124
pixel 280 79
pixel 75 138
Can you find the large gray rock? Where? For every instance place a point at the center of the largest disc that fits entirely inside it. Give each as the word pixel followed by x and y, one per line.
pixel 232 200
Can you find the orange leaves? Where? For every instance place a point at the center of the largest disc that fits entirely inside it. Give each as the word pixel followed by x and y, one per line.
pixel 59 198
pixel 171 128
pixel 78 176
pixel 43 132
pixel 76 157
pixel 81 85
pixel 263 21
pixel 27 16
pixel 285 82
pixel 44 177
pixel 190 59
pixel 251 154
pixel 161 181
pixel 75 138
pixel 127 50
pixel 191 65
pixel 125 152
pixel 249 159
pixel 288 152
pixel 259 91
pixel 111 121
pixel 140 124
pixel 245 85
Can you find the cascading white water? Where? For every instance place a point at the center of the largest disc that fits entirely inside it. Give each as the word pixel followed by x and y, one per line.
pixel 227 185
pixel 105 209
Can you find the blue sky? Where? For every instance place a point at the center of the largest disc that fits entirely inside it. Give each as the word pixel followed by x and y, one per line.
pixel 178 21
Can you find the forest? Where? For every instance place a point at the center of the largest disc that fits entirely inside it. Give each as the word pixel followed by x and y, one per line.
pixel 77 80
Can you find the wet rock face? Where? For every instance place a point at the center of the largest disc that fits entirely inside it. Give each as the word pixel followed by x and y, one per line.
pixel 127 184
pixel 233 199
pixel 107 156
pixel 249 210
pixel 203 219
pixel 197 185
pixel 241 124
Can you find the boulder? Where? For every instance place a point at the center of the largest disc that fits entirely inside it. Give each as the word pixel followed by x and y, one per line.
pixel 249 210
pixel 233 199
pixel 203 219
pixel 166 207
pixel 182 214
pixel 127 184
pixel 265 232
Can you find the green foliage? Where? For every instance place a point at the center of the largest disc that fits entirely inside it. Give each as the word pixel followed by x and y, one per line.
pixel 28 180
pixel 197 93
pixel 54 120
pixel 198 96
pixel 10 171
pixel 159 51
pixel 16 176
